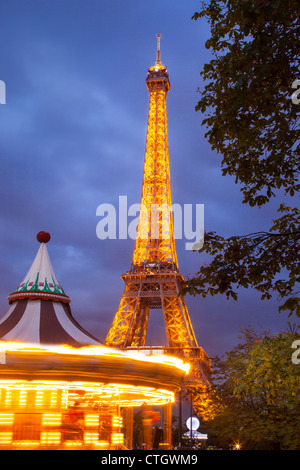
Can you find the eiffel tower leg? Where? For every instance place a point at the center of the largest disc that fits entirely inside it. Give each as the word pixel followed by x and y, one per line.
pixel 118 333
pixel 139 328
pixel 130 323
pixel 178 325
pixel 197 387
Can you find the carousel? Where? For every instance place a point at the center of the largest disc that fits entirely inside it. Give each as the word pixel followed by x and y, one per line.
pixel 62 388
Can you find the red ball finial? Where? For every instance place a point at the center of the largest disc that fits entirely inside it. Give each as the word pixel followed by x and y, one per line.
pixel 43 237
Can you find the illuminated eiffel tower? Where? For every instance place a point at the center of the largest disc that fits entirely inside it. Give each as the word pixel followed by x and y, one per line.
pixel 153 280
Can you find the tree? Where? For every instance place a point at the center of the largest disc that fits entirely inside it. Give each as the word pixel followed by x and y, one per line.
pixel 254 125
pixel 257 393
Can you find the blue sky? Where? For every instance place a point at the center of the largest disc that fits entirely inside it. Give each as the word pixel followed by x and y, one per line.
pixel 73 137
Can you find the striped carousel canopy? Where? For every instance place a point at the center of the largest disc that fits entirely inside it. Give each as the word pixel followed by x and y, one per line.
pixel 39 308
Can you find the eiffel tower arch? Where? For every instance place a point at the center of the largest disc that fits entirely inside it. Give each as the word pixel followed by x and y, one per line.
pixel 153 280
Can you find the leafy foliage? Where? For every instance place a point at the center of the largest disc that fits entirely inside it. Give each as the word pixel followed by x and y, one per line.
pixel 251 119
pixel 257 393
pixel 255 260
pixel 253 123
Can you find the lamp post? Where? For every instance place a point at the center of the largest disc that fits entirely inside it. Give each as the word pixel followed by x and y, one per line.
pixel 180 422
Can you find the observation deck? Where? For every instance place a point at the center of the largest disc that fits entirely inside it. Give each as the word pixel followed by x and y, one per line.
pixel 157 74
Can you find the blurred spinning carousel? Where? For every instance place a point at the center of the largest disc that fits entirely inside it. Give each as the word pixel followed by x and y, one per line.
pixel 60 387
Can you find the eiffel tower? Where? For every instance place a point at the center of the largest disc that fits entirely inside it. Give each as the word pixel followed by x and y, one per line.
pixel 153 280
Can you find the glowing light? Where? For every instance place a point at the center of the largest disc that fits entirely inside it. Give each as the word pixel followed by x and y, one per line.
pixel 73 443
pixel 97 351
pixel 26 443
pixel 47 403
pixel 117 438
pixel 39 398
pixel 51 419
pixel 50 437
pixel 91 437
pixel 6 437
pixel 22 398
pixel 153 280
pixel 192 423
pixel 53 399
pixel 123 394
pixel 91 420
pixel 116 421
pixel 6 419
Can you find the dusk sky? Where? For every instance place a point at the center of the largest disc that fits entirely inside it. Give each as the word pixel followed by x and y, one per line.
pixel 73 134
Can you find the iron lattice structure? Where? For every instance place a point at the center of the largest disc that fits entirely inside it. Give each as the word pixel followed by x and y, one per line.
pixel 153 280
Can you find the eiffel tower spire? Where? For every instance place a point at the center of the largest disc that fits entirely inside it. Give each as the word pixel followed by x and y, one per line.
pixel 153 280
pixel 158 49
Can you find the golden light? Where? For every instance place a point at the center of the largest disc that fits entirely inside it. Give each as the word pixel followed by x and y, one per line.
pixel 117 438
pixel 64 397
pixel 91 420
pixel 96 351
pixel 51 419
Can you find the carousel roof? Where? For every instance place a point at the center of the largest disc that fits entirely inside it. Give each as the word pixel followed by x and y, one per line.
pixel 40 282
pixel 39 308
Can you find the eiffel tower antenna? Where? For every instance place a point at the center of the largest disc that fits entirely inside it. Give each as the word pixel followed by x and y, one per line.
pixel 153 280
pixel 158 49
